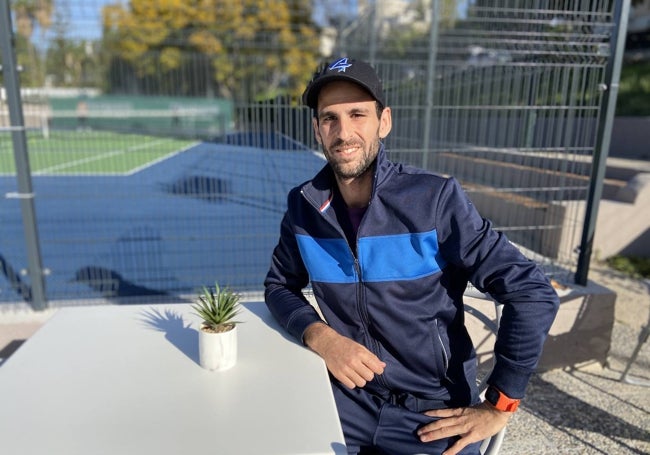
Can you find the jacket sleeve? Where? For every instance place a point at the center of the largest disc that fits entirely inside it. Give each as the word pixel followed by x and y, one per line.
pixel 497 267
pixel 285 280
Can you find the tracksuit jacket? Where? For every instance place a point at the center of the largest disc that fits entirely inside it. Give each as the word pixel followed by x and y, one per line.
pixel 419 243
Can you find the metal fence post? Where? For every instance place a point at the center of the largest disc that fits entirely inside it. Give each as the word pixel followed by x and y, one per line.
pixel 23 175
pixel 434 33
pixel 604 133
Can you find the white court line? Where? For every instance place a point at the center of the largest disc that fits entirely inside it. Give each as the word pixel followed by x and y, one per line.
pixel 95 158
pixel 160 160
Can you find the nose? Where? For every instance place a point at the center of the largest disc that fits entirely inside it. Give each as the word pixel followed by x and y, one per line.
pixel 345 128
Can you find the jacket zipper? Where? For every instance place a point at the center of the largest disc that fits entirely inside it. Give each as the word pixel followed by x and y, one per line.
pixel 362 310
pixel 373 344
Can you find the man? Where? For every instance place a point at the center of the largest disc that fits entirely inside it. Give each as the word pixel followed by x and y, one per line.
pixel 389 250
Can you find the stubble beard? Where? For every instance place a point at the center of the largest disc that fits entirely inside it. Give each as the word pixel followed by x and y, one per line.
pixel 347 171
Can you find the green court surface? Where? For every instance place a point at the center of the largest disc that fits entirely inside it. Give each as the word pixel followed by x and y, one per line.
pixel 89 152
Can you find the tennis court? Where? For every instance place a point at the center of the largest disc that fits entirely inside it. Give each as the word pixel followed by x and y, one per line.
pixel 90 152
pixel 124 215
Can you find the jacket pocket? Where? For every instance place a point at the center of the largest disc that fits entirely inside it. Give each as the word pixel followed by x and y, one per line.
pixel 441 353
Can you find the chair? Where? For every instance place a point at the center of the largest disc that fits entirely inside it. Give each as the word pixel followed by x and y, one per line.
pixel 492 445
pixel 643 338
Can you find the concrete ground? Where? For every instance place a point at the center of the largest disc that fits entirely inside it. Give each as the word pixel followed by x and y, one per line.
pixel 585 409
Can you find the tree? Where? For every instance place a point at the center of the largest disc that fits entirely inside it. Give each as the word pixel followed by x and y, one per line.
pixel 64 59
pixel 249 47
pixel 29 14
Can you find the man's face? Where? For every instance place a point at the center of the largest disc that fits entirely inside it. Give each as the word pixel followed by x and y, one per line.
pixel 348 129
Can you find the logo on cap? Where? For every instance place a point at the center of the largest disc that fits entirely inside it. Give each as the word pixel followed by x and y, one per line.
pixel 341 65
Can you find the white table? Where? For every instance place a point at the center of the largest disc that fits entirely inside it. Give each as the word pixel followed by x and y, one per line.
pixel 124 380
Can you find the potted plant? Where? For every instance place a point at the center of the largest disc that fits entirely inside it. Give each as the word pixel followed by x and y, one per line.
pixel 218 332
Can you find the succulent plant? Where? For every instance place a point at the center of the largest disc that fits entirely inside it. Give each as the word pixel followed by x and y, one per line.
pixel 217 307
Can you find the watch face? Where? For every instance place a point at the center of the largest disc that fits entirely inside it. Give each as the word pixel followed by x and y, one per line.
pixel 500 401
pixel 492 395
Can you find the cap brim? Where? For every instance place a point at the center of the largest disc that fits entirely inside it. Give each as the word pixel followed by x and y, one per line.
pixel 310 97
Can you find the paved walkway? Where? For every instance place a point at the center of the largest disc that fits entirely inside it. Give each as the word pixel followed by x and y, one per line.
pixel 587 409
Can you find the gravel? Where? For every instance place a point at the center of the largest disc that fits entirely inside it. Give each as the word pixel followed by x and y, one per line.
pixel 587 409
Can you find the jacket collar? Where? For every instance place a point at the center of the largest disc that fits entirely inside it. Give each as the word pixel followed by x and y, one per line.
pixel 319 190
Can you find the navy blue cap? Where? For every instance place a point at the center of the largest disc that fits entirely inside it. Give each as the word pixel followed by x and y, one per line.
pixel 345 69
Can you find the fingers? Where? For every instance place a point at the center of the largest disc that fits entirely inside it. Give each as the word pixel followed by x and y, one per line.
pixel 457 447
pixel 447 426
pixel 376 365
pixel 470 424
pixel 358 369
pixel 443 413
pixel 354 379
pixel 348 361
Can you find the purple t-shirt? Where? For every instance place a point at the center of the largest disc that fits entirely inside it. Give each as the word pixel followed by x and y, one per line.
pixel 355 214
pixel 349 219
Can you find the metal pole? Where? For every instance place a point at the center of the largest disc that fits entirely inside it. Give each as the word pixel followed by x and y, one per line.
pixel 23 175
pixel 604 133
pixel 374 25
pixel 431 79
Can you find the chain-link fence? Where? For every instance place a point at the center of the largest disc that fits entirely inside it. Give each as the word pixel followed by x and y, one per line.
pixel 162 137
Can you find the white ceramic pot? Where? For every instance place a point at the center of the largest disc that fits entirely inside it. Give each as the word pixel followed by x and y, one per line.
pixel 218 351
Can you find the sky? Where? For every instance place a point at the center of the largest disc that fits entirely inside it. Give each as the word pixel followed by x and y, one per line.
pixel 85 15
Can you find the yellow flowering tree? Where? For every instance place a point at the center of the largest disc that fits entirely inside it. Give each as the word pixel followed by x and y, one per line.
pixel 253 47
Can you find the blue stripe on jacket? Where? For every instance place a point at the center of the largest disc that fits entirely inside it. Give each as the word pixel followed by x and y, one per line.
pixel 382 258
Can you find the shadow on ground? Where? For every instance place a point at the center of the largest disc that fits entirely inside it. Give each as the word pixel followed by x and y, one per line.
pixel 568 413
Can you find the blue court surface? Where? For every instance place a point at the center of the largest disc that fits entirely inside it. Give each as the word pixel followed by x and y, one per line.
pixel 209 213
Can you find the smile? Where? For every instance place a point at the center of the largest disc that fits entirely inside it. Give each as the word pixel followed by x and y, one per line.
pixel 348 150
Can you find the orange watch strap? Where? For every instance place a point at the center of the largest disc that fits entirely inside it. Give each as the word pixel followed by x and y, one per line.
pixel 500 400
pixel 507 404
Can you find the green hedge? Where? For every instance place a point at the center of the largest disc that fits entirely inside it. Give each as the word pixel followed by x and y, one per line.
pixel 634 90
pixel 631 265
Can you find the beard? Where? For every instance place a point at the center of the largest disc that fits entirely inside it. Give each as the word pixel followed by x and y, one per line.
pixel 356 168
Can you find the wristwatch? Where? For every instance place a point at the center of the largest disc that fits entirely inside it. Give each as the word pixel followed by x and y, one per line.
pixel 500 400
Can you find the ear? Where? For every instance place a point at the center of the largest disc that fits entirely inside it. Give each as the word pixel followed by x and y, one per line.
pixel 314 123
pixel 385 123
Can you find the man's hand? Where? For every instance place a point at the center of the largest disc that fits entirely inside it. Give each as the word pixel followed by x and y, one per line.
pixel 472 424
pixel 348 361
